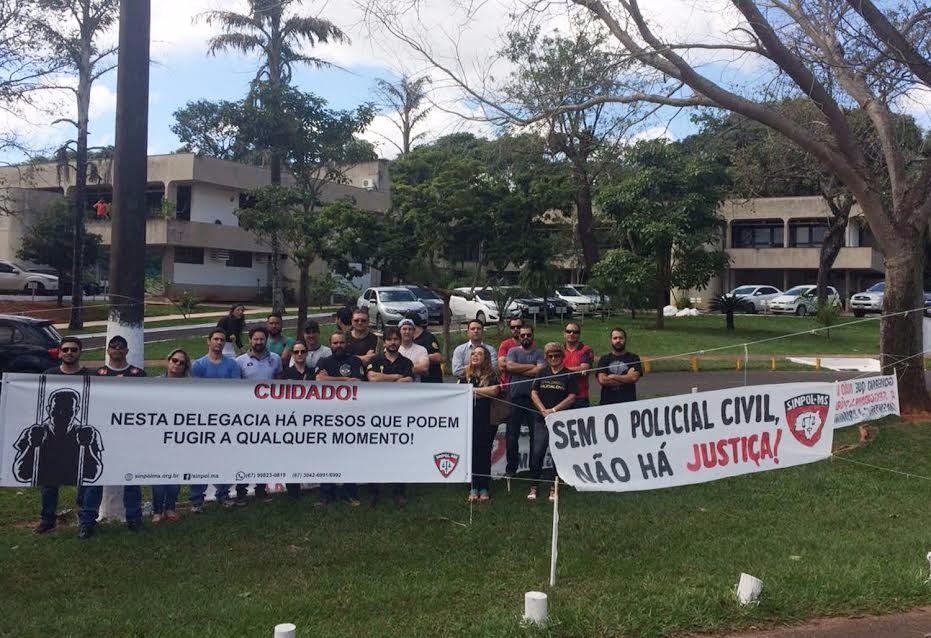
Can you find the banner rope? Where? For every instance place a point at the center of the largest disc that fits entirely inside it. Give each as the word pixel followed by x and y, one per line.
pixel 884 469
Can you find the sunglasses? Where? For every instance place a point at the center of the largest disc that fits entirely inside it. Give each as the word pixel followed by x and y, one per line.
pixel 526 334
pixel 359 320
pixel 113 346
pixel 554 356
pixel 301 351
pixel 70 349
pixel 179 362
pixel 573 332
pixel 516 327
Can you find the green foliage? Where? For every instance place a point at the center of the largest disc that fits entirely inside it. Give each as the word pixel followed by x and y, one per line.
pixel 728 304
pixel 626 278
pixel 213 129
pixel 828 314
pixel 156 285
pixel 186 303
pixel 50 240
pixel 325 285
pixel 683 302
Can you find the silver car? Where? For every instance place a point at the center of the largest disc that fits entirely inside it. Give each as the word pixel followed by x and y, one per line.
pixel 389 304
pixel 871 300
pixel 756 297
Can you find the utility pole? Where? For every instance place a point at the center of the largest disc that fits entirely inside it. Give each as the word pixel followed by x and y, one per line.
pixel 127 244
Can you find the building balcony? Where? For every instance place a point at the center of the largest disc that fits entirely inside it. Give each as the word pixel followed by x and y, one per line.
pixel 860 258
pixel 175 232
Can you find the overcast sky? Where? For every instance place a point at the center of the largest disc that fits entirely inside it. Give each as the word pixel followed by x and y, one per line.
pixel 454 30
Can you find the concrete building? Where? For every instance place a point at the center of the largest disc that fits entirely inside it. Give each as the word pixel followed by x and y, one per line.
pixel 193 236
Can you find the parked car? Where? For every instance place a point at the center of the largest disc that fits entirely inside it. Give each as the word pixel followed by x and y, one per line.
pixel 801 300
pixel 870 300
pixel 27 344
pixel 481 306
pixel 557 308
pixel 583 300
pixel 756 297
pixel 524 304
pixel 388 305
pixel 431 300
pixel 17 278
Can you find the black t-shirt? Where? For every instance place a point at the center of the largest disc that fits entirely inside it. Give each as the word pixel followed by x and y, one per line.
pixel 131 371
pixel 83 372
pixel 360 347
pixel 618 364
pixel 347 365
pixel 434 372
pixel 402 365
pixel 292 374
pixel 552 387
pixel 481 413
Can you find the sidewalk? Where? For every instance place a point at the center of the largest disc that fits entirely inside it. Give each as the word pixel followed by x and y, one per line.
pixel 194 315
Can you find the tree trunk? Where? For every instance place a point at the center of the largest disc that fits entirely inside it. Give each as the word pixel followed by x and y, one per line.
pixel 729 320
pixel 447 317
pixel 303 267
pixel 900 336
pixel 80 183
pixel 583 211
pixel 277 293
pixel 663 273
pixel 830 248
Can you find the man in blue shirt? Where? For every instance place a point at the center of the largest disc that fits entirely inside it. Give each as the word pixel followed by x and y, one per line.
pixel 213 365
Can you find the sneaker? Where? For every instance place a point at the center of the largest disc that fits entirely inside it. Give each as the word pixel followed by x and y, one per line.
pixel 43 527
pixel 483 496
pixel 134 526
pixel 85 531
pixel 199 509
pixel 552 495
pixel 532 494
pixel 172 517
pixel 473 496
pixel 156 519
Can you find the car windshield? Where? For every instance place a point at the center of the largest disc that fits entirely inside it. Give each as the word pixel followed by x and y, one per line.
pixel 588 290
pixel 880 287
pixel 396 295
pixel 423 293
pixel 568 292
pixel 795 292
pixel 19 266
pixel 743 290
pixel 51 332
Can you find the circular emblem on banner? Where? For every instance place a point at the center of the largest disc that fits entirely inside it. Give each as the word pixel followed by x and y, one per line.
pixel 128 477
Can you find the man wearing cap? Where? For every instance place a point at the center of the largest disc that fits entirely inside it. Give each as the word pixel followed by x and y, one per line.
pixel 117 366
pixel 315 350
pixel 413 351
pixel 425 338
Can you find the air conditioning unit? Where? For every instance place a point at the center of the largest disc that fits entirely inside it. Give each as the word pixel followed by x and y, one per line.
pixel 218 254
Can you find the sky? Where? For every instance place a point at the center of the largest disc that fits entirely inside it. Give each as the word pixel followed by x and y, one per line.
pixel 461 34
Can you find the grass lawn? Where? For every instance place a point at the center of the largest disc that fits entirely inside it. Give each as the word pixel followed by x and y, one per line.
pixel 827 539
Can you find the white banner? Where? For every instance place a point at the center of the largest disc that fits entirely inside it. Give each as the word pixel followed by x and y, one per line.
pixel 693 438
pixel 860 400
pixel 105 431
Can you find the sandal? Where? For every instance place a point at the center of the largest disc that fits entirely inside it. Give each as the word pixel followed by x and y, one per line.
pixel 532 494
pixel 483 496
pixel 552 495
pixel 473 496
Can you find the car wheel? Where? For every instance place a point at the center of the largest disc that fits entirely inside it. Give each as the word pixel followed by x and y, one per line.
pixel 379 323
pixel 802 310
pixel 858 313
pixel 480 316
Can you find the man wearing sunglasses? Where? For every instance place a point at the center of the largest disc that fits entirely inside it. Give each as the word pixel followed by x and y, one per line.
pixel 117 366
pixel 578 358
pixel 523 364
pixel 69 354
pixel 553 390
pixel 360 341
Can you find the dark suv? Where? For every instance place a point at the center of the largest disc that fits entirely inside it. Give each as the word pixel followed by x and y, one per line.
pixel 27 345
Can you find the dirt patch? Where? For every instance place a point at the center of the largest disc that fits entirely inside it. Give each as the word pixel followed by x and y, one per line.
pixel 911 624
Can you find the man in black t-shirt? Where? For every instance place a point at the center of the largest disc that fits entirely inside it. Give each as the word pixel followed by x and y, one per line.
pixel 425 338
pixel 339 366
pixel 618 371
pixel 361 341
pixel 117 365
pixel 390 366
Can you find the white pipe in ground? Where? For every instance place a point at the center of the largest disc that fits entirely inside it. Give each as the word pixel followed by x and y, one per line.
pixel 285 630
pixel 535 607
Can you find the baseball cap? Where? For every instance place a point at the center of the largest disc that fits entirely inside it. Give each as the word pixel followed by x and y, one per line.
pixel 117 341
pixel 406 322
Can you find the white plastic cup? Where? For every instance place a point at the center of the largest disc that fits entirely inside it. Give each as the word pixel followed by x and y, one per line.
pixel 749 589
pixel 285 630
pixel 535 607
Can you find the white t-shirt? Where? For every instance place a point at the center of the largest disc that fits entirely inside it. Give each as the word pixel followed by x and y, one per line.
pixel 415 353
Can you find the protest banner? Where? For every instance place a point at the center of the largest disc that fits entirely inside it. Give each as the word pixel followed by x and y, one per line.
pixel 861 400
pixel 693 438
pixel 59 430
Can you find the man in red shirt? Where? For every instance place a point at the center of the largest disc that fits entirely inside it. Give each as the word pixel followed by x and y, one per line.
pixel 578 358
pixel 515 324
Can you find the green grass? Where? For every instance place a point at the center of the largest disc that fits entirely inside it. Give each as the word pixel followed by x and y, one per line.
pixel 830 538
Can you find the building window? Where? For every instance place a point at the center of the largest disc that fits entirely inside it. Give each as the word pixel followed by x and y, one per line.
pixel 757 235
pixel 183 203
pixel 807 235
pixel 239 259
pixel 189 255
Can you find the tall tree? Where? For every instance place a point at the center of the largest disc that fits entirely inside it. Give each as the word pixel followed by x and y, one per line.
pixel 405 101
pixel 548 71
pixel 269 29
pixel 72 30
pixel 213 129
pixel 665 205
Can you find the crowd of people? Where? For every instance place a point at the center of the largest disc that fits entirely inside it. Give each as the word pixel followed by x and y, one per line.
pixel 518 383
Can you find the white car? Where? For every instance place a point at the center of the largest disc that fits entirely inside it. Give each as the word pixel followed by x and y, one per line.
pixel 801 300
pixel 481 306
pixel 869 301
pixel 388 305
pixel 17 278
pixel 583 300
pixel 756 297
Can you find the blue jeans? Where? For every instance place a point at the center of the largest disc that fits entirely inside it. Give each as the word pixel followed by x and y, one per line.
pixel 49 500
pixel 539 443
pixel 198 491
pixel 93 495
pixel 164 498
